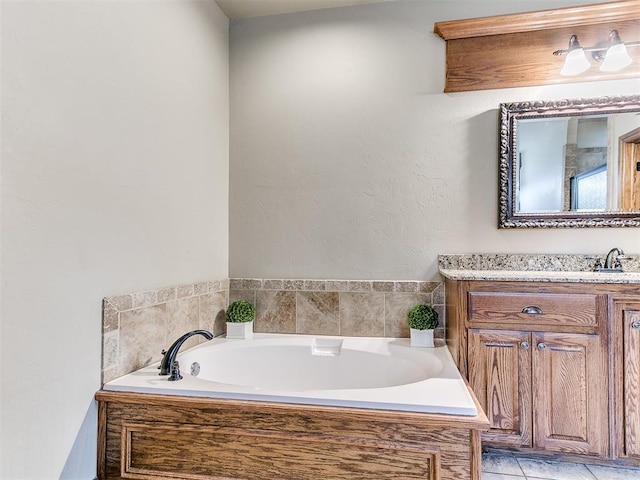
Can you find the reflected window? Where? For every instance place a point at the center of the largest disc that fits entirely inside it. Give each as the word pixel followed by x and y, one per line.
pixel 589 190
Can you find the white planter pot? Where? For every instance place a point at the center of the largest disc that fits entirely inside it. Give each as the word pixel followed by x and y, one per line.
pixel 240 330
pixel 421 338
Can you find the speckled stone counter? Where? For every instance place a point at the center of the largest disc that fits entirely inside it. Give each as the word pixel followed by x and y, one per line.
pixel 535 268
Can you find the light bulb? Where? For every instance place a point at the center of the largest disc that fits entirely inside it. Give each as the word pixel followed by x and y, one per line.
pixel 616 58
pixel 575 63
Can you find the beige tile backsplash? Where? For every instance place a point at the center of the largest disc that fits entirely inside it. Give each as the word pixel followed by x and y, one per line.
pixel 138 326
pixel 337 307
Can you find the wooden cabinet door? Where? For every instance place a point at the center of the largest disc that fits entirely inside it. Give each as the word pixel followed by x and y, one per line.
pixel 500 376
pixel 569 393
pixel 630 315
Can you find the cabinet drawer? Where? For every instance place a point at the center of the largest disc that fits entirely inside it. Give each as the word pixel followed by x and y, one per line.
pixel 533 308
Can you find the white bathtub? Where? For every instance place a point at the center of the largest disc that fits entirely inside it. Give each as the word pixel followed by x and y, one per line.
pixel 379 373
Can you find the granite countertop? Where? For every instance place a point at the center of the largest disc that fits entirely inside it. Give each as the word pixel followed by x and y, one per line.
pixel 535 268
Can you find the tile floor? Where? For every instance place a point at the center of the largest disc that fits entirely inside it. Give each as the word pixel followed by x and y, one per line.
pixel 508 467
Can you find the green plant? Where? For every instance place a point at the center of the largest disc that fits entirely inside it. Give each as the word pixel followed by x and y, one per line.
pixel 240 311
pixel 422 317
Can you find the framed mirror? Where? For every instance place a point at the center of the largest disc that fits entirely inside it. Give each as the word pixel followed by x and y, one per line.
pixel 570 163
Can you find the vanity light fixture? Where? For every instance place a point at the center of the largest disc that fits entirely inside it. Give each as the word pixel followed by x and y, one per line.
pixel 576 61
pixel 612 53
pixel 616 57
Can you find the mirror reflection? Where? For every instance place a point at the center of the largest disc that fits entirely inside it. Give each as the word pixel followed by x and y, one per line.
pixel 570 163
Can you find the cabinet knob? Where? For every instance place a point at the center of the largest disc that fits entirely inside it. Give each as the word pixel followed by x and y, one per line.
pixel 542 346
pixel 533 310
pixel 635 325
pixel 524 345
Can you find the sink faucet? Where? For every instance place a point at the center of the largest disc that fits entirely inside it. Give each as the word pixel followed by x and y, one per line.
pixel 168 365
pixel 613 259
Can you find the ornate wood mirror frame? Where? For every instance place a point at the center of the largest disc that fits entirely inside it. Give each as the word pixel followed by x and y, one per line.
pixel 628 215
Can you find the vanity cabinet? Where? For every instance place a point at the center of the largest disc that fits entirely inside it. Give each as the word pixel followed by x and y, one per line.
pixel 500 376
pixel 536 356
pixel 569 393
pixel 626 315
pixel 540 389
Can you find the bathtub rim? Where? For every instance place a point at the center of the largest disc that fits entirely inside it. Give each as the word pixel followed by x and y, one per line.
pixel 146 381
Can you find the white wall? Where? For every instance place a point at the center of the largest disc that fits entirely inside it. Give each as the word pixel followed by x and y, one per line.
pixel 348 161
pixel 541 165
pixel 114 179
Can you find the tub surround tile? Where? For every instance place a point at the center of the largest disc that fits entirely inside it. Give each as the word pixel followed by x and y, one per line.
pixel 293 285
pixel 121 302
pixel 138 326
pixel 382 286
pixel 185 291
pixel 248 295
pixel 273 284
pixel 437 295
pixel 396 307
pixel 407 287
pixel 110 374
pixel 379 321
pixel 201 288
pixel 275 311
pixel 317 313
pixel 144 299
pixel 110 318
pixel 154 319
pixel 167 294
pixel 110 349
pixel 251 284
pixel 358 286
pixel 336 285
pixel 143 335
pixel 361 314
pixel 212 313
pixel 182 317
pixel 429 287
pixel 312 285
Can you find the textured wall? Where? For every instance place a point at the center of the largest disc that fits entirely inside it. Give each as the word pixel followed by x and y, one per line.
pixel 348 161
pixel 114 179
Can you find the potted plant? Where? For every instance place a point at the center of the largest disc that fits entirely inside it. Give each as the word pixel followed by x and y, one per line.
pixel 422 319
pixel 239 316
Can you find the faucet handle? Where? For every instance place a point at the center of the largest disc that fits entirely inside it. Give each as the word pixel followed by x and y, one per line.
pixel 174 374
pixel 163 353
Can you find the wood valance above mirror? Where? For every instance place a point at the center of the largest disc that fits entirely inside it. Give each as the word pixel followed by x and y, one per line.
pixel 517 50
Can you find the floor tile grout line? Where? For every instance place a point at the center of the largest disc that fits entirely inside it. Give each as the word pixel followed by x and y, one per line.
pixel 591 473
pixel 595 477
pixel 520 466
